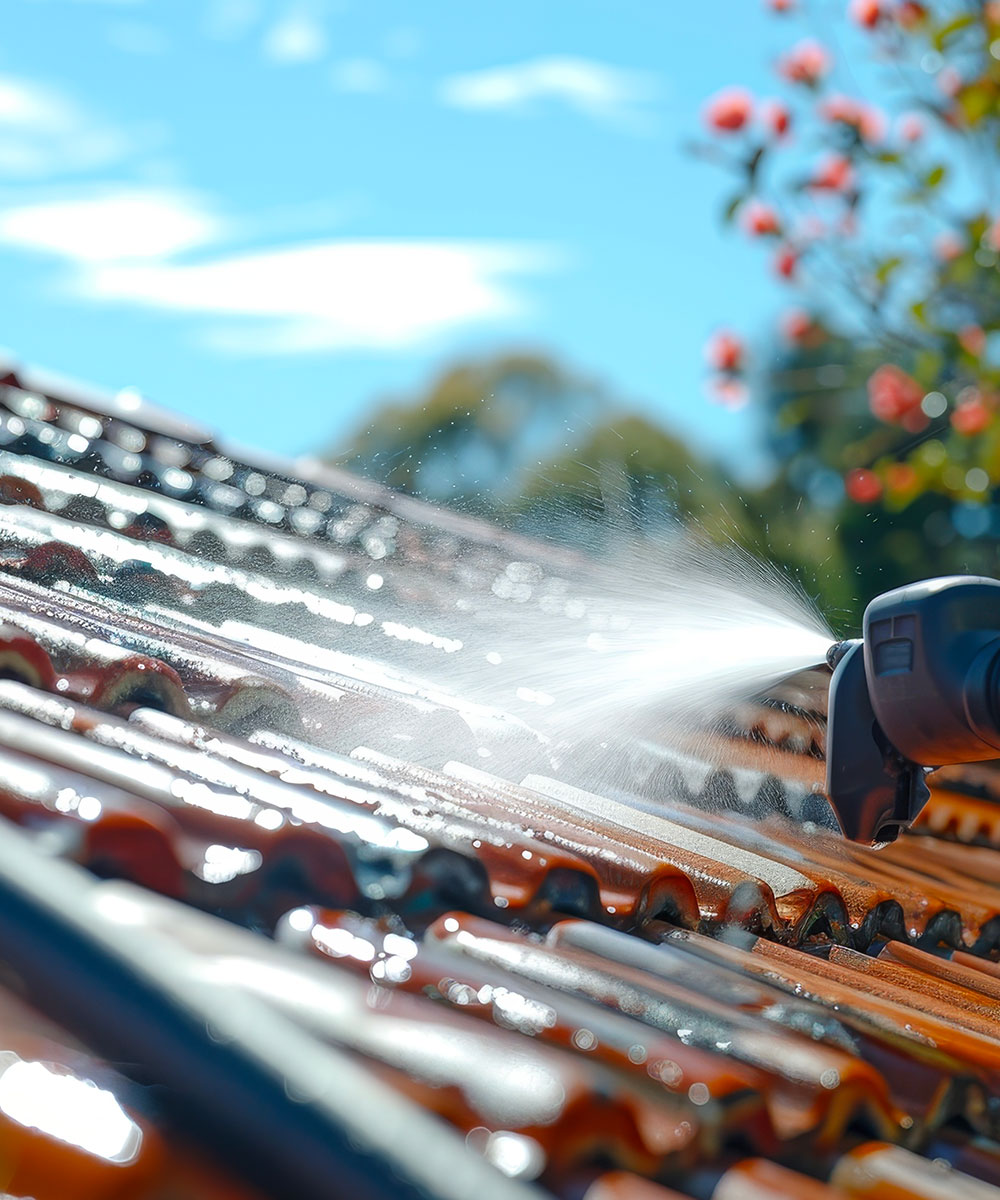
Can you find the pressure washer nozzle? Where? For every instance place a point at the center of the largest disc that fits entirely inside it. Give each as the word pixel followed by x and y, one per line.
pixel 838 650
pixel 919 690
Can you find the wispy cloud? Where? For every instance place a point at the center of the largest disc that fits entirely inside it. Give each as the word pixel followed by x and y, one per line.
pixel 43 133
pixel 332 295
pixel 594 89
pixel 160 249
pixel 111 225
pixel 297 36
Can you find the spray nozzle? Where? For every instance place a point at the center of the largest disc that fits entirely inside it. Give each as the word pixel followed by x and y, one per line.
pixel 838 650
pixel 919 690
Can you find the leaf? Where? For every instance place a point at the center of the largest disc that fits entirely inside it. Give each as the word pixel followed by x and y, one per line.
pixel 885 269
pixel 927 366
pixel 945 32
pixel 919 313
pixel 731 209
pixel 935 176
pixel 978 100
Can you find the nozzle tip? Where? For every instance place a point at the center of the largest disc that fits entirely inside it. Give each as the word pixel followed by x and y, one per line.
pixel 838 650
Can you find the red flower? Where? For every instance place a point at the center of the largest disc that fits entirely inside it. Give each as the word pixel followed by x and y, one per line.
pixel 915 421
pixel 800 328
pixel 949 81
pixel 725 351
pixel 786 261
pixel 909 13
pixel 972 339
pixel 863 487
pixel 835 174
pixel 911 127
pixel 992 237
pixel 805 63
pixel 893 395
pixel 759 219
pixel 776 117
pixel 948 246
pixel 781 6
pixel 970 417
pixel 868 122
pixel 730 393
pixel 867 13
pixel 729 110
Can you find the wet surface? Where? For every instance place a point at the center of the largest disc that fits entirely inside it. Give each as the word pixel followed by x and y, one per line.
pixel 229 695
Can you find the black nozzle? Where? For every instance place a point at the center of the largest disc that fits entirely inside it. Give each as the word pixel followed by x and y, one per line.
pixel 918 691
pixel 838 650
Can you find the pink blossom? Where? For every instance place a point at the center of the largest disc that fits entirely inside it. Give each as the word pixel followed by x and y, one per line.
pixel 867 13
pixel 911 127
pixel 909 13
pixel 730 393
pixel 725 351
pixel 786 261
pixel 970 417
pixel 805 63
pixel 776 117
pixel 862 486
pixel 760 219
pixel 948 247
pixel 949 81
pixel 892 394
pixel 835 174
pixel 729 110
pixel 797 325
pixel 868 122
pixel 972 339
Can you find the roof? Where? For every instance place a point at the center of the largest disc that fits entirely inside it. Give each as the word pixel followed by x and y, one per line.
pixel 249 852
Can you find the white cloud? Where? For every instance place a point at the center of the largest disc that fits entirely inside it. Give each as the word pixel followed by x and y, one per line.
pixel 592 88
pixel 154 247
pixel 111 225
pixel 42 133
pixel 296 37
pixel 359 75
pixel 331 295
pixel 159 248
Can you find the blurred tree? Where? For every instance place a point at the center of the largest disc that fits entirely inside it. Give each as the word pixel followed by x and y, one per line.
pixel 473 437
pixel 883 404
pixel 520 438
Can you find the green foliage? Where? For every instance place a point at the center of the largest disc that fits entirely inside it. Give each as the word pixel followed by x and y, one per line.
pixel 884 412
pixel 523 440
pixel 882 402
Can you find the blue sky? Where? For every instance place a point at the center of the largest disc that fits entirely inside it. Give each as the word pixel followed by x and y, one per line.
pixel 255 207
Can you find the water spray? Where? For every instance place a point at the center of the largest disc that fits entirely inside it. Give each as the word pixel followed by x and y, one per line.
pixel 919 690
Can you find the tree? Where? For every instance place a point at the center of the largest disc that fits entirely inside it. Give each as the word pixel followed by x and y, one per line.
pixel 883 223
pixel 473 437
pixel 524 440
